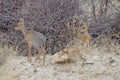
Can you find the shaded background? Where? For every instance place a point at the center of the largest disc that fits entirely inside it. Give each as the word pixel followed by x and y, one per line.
pixel 49 17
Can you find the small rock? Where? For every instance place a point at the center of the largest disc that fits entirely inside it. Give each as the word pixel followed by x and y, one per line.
pixel 99 69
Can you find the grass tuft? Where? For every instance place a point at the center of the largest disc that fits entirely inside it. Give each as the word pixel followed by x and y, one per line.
pixel 6 72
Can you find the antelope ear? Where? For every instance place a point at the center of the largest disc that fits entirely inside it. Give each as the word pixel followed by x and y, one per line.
pixel 67 24
pixel 21 20
pixel 81 21
pixel 66 50
pixel 86 24
pixel 75 18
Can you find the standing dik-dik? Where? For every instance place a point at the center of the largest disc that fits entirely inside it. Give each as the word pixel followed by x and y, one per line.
pixel 33 38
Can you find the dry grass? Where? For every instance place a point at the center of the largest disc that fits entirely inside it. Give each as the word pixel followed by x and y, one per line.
pixel 105 44
pixel 6 71
pixel 74 50
pixel 5 52
pixel 67 57
pixel 73 53
pixel 79 46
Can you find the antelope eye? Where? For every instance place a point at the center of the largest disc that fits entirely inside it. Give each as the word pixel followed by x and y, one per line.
pixel 82 32
pixel 83 27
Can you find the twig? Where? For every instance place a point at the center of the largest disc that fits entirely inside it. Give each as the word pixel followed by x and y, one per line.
pixel 114 6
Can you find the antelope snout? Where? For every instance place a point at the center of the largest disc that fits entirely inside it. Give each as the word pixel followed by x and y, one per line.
pixel 16 28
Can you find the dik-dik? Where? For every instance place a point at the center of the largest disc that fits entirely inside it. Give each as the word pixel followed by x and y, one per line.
pixel 33 38
pixel 84 35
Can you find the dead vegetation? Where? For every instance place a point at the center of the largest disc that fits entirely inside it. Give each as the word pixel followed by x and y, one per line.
pixel 67 55
pixel 7 53
pixel 53 15
pixel 74 28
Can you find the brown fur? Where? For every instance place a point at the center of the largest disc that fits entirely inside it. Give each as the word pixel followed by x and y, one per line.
pixel 72 54
pixel 84 35
pixel 32 38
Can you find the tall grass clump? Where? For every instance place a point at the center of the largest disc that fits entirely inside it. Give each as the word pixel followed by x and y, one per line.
pixel 7 53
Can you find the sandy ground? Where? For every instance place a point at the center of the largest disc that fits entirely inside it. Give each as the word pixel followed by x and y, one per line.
pixel 96 67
